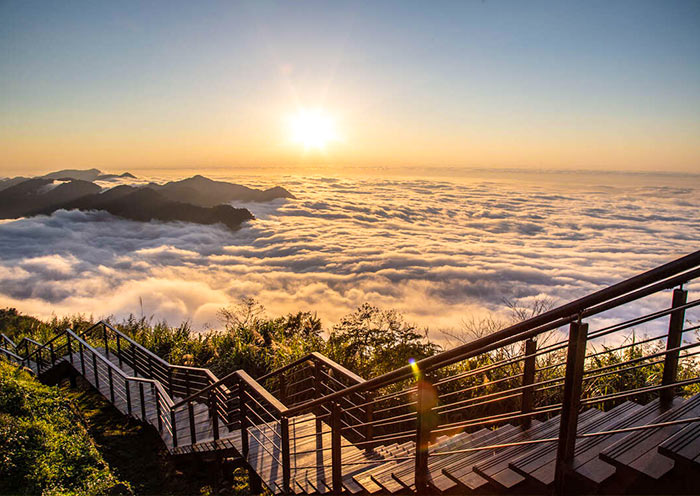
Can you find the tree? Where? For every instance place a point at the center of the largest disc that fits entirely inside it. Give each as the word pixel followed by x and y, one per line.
pixel 371 341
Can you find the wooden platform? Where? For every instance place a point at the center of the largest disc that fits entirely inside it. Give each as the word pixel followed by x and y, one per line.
pixel 457 464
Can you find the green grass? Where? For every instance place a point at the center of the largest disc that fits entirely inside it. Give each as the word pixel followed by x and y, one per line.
pixel 44 445
pixel 136 453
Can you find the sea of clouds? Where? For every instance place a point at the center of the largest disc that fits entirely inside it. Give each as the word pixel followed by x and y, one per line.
pixel 439 251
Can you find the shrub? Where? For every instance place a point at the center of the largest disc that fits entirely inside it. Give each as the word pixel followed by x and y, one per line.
pixel 45 446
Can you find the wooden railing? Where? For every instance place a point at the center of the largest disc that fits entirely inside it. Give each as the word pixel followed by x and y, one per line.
pixel 508 377
pixel 555 364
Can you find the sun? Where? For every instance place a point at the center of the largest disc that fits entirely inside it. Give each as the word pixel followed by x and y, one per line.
pixel 314 129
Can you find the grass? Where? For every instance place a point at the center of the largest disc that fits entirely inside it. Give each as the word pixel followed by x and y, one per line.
pixel 44 445
pixel 136 453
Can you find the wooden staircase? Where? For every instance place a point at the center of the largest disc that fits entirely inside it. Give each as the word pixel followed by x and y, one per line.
pixel 455 423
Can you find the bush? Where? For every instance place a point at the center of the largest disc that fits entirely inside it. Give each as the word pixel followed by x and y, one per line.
pixel 45 446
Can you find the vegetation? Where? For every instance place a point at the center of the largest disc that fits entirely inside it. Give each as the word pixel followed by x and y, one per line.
pixel 45 446
pixel 151 472
pixel 370 341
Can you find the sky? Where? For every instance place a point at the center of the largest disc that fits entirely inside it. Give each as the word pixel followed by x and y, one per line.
pixel 497 84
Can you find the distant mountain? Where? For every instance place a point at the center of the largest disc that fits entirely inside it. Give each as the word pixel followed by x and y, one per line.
pixel 205 192
pixel 83 175
pixel 109 177
pixel 86 175
pixel 6 183
pixel 145 204
pixel 196 199
pixel 27 197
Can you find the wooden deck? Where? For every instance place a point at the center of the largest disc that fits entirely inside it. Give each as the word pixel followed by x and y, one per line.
pixel 456 465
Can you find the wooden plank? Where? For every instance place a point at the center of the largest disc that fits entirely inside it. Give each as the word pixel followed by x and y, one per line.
pixel 684 446
pixel 639 451
pixel 539 463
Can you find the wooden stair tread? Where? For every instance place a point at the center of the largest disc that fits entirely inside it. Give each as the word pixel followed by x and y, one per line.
pixel 540 463
pixel 638 451
pixel 685 445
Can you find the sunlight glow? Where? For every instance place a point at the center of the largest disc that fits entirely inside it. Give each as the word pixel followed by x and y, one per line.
pixel 313 129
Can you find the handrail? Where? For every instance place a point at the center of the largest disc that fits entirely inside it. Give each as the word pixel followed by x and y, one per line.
pixel 7 339
pixel 43 346
pixel 311 356
pixel 520 331
pixel 119 371
pixel 243 376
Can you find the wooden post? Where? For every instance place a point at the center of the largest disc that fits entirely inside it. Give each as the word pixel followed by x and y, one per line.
pixel 424 408
pixel 286 464
pixel 170 382
pixel 111 384
pixel 128 396
pixel 70 350
pixel 53 353
pixel 133 360
pixel 160 421
pixel 369 419
pixel 143 402
pixel 104 337
pixel 336 455
pixel 319 412
pixel 527 397
pixel 187 382
pixel 674 340
pixel 190 414
pixel 214 414
pixel 283 388
pixel 82 358
pixel 119 350
pixel 94 366
pixel 575 359
pixel 244 420
pixel 173 425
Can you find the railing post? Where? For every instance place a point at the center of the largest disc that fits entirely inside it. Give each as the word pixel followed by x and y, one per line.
pixel 336 455
pixel 170 382
pixel 369 419
pixel 214 414
pixel 128 396
pixel 94 366
pixel 111 384
pixel 52 352
pixel 160 421
pixel 143 402
pixel 286 465
pixel 133 360
pixel 173 425
pixel 190 414
pixel 674 340
pixel 426 399
pixel 568 420
pixel 244 421
pixel 318 393
pixel 82 358
pixel 527 397
pixel 70 350
pixel 187 382
pixel 119 350
pixel 104 337
pixel 283 388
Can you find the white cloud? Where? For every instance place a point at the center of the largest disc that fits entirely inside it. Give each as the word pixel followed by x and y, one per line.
pixel 435 250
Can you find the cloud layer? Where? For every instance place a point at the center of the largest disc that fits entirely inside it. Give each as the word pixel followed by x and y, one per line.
pixel 437 250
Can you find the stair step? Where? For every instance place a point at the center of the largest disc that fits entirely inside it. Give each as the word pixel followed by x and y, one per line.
pixel 684 446
pixel 639 452
pixel 539 463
